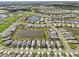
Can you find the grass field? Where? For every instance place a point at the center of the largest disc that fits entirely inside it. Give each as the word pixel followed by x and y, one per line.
pixel 77 37
pixel 3 27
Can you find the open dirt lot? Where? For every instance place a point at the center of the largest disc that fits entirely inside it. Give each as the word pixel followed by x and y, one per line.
pixel 30 33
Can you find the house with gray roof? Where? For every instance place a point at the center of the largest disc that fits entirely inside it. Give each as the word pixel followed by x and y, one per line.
pixel 8 42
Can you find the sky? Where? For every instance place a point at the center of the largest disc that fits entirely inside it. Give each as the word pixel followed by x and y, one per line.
pixel 25 0
pixel 39 0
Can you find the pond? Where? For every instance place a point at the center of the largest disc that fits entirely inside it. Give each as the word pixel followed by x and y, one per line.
pixel 3 16
pixel 33 18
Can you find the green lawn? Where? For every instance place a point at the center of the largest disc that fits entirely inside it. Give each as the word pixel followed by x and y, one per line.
pixel 77 37
pixel 74 46
pixel 11 19
pixel 39 33
pixel 3 27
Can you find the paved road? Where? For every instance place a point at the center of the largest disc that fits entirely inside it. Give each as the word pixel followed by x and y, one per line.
pixel 63 40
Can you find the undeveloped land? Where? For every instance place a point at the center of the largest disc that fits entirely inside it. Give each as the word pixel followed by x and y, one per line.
pixel 30 33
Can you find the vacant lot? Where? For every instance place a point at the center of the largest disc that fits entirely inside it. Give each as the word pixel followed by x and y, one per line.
pixel 29 33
